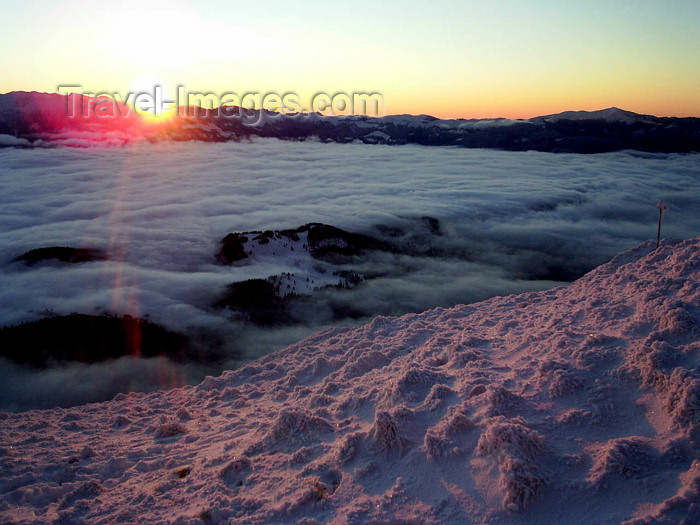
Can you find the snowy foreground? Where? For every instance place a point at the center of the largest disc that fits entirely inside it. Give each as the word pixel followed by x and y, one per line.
pixel 574 405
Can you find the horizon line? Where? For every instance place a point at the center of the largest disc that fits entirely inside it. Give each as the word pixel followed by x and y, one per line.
pixel 524 119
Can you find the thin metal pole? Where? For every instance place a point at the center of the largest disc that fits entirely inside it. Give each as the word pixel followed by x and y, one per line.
pixel 661 206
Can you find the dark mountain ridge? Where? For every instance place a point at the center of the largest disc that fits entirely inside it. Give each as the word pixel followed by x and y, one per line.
pixel 42 119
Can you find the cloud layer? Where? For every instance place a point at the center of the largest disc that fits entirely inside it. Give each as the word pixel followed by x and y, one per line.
pixel 510 222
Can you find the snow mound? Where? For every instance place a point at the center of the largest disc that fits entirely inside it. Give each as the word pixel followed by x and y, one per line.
pixel 385 435
pixel 516 448
pixel 495 412
pixel 292 428
pixel 628 457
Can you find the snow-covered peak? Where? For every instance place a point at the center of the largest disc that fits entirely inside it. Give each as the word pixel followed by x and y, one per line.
pixel 608 115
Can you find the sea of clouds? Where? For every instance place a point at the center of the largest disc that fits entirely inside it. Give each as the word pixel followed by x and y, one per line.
pixel 510 222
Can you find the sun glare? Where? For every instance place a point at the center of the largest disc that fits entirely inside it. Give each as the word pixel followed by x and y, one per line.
pixel 161 117
pixel 151 99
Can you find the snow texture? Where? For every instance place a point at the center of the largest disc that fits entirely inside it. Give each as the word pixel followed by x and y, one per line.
pixel 576 405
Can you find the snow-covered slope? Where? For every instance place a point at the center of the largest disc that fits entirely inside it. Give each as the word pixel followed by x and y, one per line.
pixel 574 405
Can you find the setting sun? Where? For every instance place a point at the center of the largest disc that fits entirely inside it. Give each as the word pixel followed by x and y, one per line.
pixel 151 99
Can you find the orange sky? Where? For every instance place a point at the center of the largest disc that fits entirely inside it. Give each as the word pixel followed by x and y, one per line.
pixel 468 59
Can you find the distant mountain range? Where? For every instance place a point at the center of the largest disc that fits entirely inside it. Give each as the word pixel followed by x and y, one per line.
pixel 30 119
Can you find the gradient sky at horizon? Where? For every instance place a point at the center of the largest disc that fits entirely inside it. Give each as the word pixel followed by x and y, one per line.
pixel 470 59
